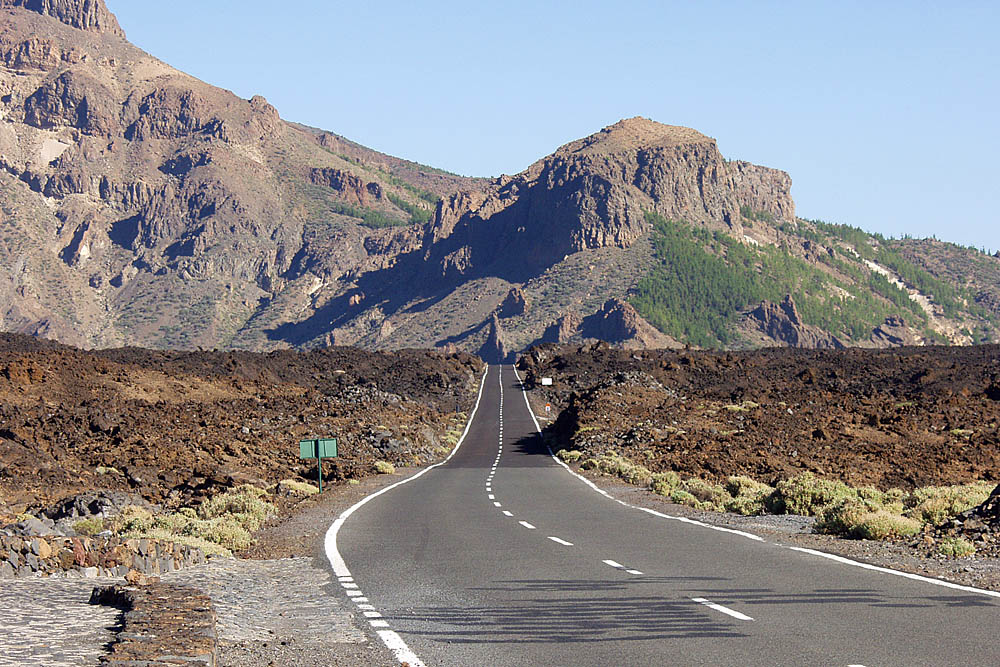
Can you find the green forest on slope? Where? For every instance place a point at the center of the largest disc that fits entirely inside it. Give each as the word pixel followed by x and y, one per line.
pixel 704 279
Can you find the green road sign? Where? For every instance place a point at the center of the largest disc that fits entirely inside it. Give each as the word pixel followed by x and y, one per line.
pixel 327 448
pixel 318 449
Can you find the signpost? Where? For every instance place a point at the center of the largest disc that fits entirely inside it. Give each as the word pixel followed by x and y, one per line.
pixel 318 449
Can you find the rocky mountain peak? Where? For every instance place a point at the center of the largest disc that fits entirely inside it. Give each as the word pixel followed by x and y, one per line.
pixel 91 15
pixel 634 134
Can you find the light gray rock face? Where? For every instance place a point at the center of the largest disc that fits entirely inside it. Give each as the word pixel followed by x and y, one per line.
pixel 92 15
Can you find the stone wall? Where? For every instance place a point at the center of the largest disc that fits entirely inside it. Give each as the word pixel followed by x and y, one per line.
pixel 91 557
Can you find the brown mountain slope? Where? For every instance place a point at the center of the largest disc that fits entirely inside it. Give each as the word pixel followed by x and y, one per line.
pixel 144 206
pixel 570 229
pixel 141 206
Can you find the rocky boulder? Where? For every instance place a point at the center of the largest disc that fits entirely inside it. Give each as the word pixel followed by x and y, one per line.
pixel 782 324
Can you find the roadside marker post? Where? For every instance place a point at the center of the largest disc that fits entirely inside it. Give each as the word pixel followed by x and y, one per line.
pixel 318 449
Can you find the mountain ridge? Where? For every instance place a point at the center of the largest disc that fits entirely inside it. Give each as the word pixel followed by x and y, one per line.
pixel 145 207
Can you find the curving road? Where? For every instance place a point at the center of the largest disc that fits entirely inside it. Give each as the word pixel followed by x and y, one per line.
pixel 500 556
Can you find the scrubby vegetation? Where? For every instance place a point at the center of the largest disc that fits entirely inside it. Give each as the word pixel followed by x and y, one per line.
pixel 861 513
pixel 417 214
pixel 220 525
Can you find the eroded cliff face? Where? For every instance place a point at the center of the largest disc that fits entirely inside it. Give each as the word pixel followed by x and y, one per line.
pixel 90 15
pixel 593 193
pixel 154 209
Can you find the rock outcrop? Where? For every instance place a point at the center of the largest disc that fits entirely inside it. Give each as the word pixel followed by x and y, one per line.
pixel 90 15
pixel 782 324
pixel 494 350
pixel 351 188
pixel 593 193
pixel 513 304
pixel 617 322
pixel 893 333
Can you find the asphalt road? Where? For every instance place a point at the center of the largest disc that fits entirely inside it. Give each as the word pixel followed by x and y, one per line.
pixel 501 556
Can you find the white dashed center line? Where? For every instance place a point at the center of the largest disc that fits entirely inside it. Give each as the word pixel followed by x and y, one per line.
pixel 560 541
pixel 506 513
pixel 495 504
pixel 615 564
pixel 526 525
pixel 725 610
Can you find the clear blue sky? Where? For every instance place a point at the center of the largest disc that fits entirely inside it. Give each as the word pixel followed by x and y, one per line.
pixel 885 114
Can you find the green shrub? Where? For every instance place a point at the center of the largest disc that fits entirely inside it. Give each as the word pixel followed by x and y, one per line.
pixel 664 483
pixel 570 455
pixel 748 495
pixel 296 487
pixel 227 531
pixel 384 468
pixel 682 497
pixel 245 503
pixel 956 547
pixel 132 519
pixel 91 526
pixel 842 517
pixel 936 504
pixel 611 463
pixel 712 497
pixel 807 495
pixel 208 548
pixel 882 524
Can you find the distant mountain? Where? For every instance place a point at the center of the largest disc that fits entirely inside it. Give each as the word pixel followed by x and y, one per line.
pixel 141 206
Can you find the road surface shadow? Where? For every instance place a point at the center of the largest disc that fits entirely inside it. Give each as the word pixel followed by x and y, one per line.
pixel 572 619
pixel 579 610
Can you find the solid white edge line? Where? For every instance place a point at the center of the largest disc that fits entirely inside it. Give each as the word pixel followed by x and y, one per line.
pixel 750 536
pixel 391 640
pixel 604 493
pixel 898 573
pixel 725 610
pixel 399 649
